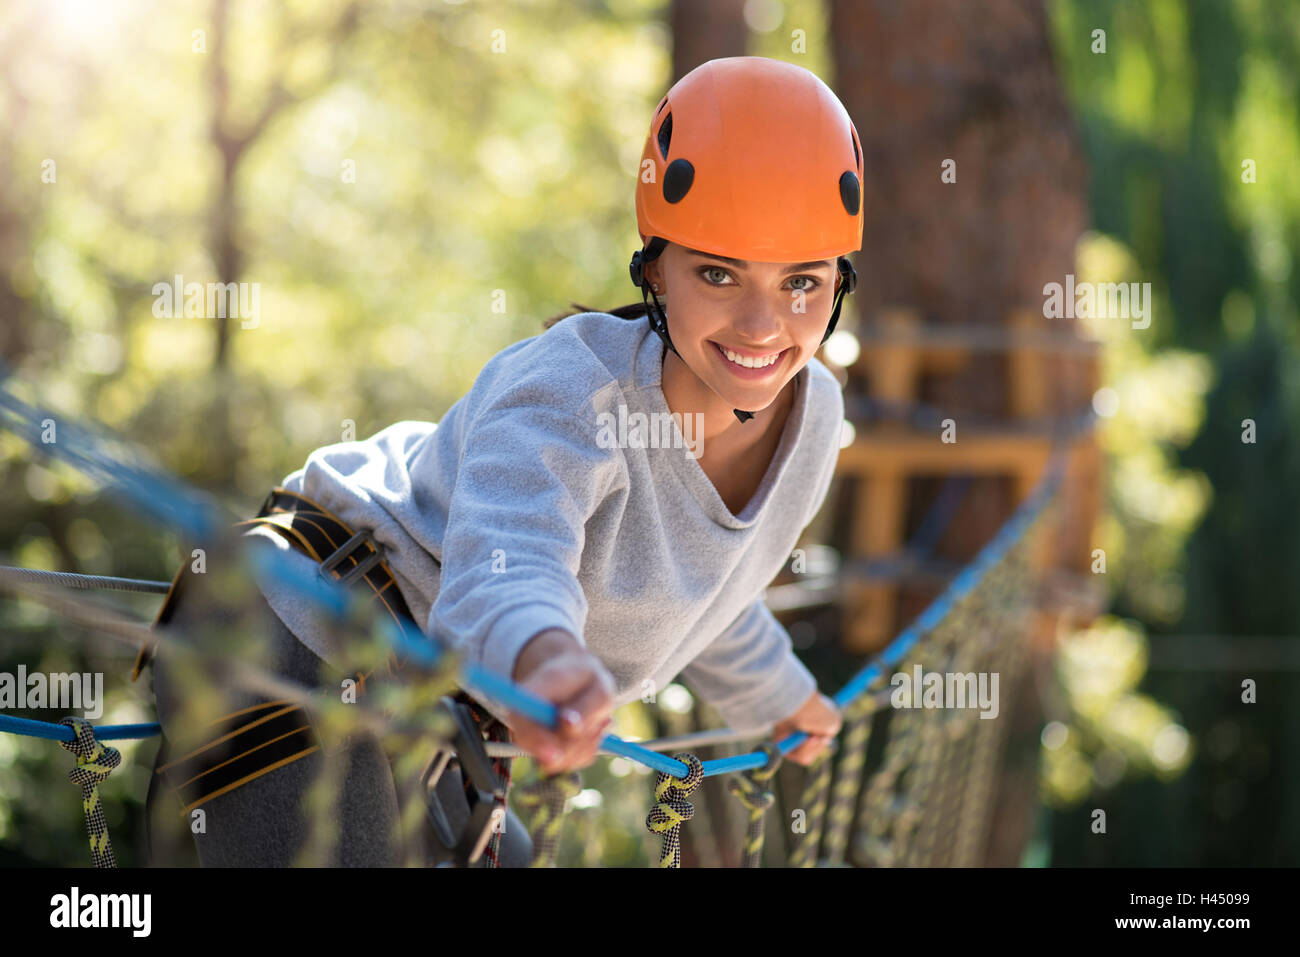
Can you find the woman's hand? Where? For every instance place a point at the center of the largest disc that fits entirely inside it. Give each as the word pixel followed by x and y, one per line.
pixel 555 666
pixel 820 718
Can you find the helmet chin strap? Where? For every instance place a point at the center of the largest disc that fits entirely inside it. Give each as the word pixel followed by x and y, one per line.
pixel 659 323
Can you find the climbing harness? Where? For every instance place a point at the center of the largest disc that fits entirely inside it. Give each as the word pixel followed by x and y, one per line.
pixel 246 744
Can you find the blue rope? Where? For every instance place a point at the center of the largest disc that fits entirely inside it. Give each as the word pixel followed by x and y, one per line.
pixel 897 649
pixel 144 486
pixel 414 645
pixel 64 732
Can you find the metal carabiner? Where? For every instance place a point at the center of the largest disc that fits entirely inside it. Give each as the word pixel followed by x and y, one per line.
pixel 486 796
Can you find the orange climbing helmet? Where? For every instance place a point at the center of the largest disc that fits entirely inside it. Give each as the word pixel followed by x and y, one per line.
pixel 755 159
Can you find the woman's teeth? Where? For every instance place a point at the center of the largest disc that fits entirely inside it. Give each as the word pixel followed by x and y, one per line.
pixel 751 363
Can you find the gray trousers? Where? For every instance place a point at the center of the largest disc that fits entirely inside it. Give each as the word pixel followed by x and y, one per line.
pixel 265 823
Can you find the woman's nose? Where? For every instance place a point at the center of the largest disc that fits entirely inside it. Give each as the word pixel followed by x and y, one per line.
pixel 760 320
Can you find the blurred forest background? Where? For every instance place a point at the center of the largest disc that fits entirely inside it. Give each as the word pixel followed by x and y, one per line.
pixel 416 185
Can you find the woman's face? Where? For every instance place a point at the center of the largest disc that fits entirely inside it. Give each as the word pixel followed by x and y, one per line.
pixel 769 316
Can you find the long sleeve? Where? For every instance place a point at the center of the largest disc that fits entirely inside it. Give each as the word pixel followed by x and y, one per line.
pixel 750 672
pixel 531 476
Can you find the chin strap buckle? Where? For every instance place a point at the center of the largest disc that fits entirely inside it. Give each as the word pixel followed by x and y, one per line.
pixel 848 282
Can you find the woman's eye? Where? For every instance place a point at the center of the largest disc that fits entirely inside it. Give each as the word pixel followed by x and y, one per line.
pixel 812 281
pixel 712 269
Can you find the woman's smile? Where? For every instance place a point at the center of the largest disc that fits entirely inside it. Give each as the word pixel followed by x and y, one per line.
pixel 746 364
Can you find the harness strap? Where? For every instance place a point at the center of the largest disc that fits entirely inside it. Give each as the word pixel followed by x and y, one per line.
pixel 245 746
pixel 256 740
pixel 319 533
pixel 164 615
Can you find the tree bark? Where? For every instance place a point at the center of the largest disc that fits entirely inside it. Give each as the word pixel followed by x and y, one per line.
pixel 706 30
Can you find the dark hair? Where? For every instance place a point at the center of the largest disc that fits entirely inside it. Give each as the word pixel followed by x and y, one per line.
pixel 623 312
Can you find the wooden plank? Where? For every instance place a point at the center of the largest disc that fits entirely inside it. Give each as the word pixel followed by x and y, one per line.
pixel 892 366
pixel 1028 388
pixel 905 452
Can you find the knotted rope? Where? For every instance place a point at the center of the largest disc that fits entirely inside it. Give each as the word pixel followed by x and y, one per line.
pixel 94 762
pixel 543 804
pixel 671 807
pixel 752 790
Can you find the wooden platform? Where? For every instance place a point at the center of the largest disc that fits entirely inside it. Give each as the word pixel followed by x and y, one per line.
pixel 884 457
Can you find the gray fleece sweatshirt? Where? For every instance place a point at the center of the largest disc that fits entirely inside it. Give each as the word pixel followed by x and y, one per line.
pixel 543 500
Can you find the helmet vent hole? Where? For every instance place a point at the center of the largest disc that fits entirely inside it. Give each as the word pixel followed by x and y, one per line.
pixel 678 179
pixel 850 194
pixel 665 135
pixel 857 157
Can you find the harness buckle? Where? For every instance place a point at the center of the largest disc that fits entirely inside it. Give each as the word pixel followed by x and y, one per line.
pixel 345 551
pixel 486 795
pixel 267 504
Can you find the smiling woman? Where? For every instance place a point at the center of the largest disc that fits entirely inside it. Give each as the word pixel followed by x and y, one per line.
pixel 530 530
pixel 770 209
pixel 750 252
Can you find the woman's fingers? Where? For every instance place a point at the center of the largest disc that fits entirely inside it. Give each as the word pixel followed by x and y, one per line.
pixel 554 751
pixel 534 739
pixel 807 752
pixel 582 750
pixel 594 705
pixel 582 691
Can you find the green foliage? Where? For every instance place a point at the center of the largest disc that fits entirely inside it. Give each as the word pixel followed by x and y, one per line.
pixel 1189 120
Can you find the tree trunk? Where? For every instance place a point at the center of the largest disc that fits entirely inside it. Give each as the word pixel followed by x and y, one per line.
pixel 974 84
pixel 705 30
